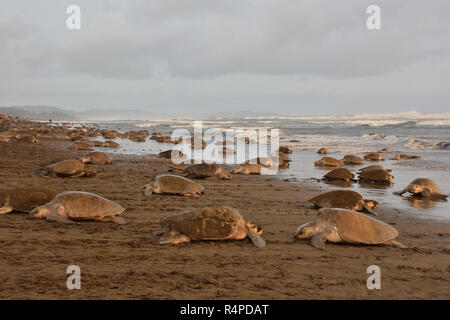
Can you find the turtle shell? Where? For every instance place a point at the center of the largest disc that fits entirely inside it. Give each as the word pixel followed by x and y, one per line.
pixel 81 145
pixel 336 199
pixel 172 184
pixel 208 223
pixel 98 158
pixel 355 227
pixel 329 162
pixel 67 167
pixel 340 174
pixel 254 168
pixel 375 175
pixel 374 167
pixel 351 159
pixel 26 199
pixel 374 157
pixel 86 205
pixel 203 169
pixel 111 144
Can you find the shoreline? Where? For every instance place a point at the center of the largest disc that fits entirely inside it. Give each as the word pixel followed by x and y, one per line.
pixel 126 262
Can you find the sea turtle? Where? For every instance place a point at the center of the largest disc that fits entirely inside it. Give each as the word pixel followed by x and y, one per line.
pixel 168 153
pixel 78 205
pixel 69 168
pixel 342 225
pixel 205 170
pixel 342 174
pixel 28 138
pixel 424 188
pixel 329 162
pixel 4 139
pixel 346 199
pixel 209 223
pixel 172 184
pixel 96 158
pixel 81 145
pixel 376 175
pixel 250 168
pixel 405 157
pixel 111 144
pixel 322 151
pixel 24 199
pixel 374 157
pixel 374 167
pixel 351 159
pixel 284 149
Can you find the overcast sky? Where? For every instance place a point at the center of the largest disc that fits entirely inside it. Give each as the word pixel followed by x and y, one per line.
pixel 299 57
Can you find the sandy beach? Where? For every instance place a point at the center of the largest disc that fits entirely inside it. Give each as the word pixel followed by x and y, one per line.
pixel 127 262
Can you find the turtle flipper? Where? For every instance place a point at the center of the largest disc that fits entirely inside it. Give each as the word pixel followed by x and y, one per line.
pixel 174 239
pixel 119 220
pixel 256 239
pixel 158 233
pixel 396 244
pixel 58 218
pixel 319 240
pixel 399 193
pixel 370 210
pixel 6 209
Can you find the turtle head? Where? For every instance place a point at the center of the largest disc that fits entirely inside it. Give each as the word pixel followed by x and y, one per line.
pixel 226 176
pixel 372 204
pixel 391 178
pixel 307 230
pixel 147 189
pixel 254 228
pixel 415 189
pixel 40 212
pixel 85 159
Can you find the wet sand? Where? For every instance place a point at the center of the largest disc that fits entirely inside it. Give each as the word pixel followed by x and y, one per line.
pixel 126 261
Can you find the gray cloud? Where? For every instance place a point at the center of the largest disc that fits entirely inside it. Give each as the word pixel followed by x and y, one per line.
pixel 166 53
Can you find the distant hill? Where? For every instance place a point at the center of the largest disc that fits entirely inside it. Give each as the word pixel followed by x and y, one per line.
pixel 38 113
pixel 54 113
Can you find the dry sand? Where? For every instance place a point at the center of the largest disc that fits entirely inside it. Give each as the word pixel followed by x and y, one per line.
pixel 126 261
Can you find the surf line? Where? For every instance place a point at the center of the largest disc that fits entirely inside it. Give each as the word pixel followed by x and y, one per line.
pixel 192 310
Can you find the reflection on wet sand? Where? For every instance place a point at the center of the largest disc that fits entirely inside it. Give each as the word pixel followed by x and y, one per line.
pixel 337 183
pixel 374 185
pixel 422 203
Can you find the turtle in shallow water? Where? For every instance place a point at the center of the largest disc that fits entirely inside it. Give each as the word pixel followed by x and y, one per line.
pixel 168 153
pixel 69 168
pixel 374 167
pixel 209 223
pixel 329 162
pixel 342 174
pixel 374 157
pixel 96 158
pixel 351 159
pixel 111 144
pixel 346 199
pixel 341 225
pixel 405 157
pixel 24 199
pixel 323 151
pixel 284 149
pixel 172 184
pixel 376 176
pixel 206 170
pixel 424 188
pixel 78 205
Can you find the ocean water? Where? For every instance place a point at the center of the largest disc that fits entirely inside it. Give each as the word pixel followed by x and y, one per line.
pixel 427 136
